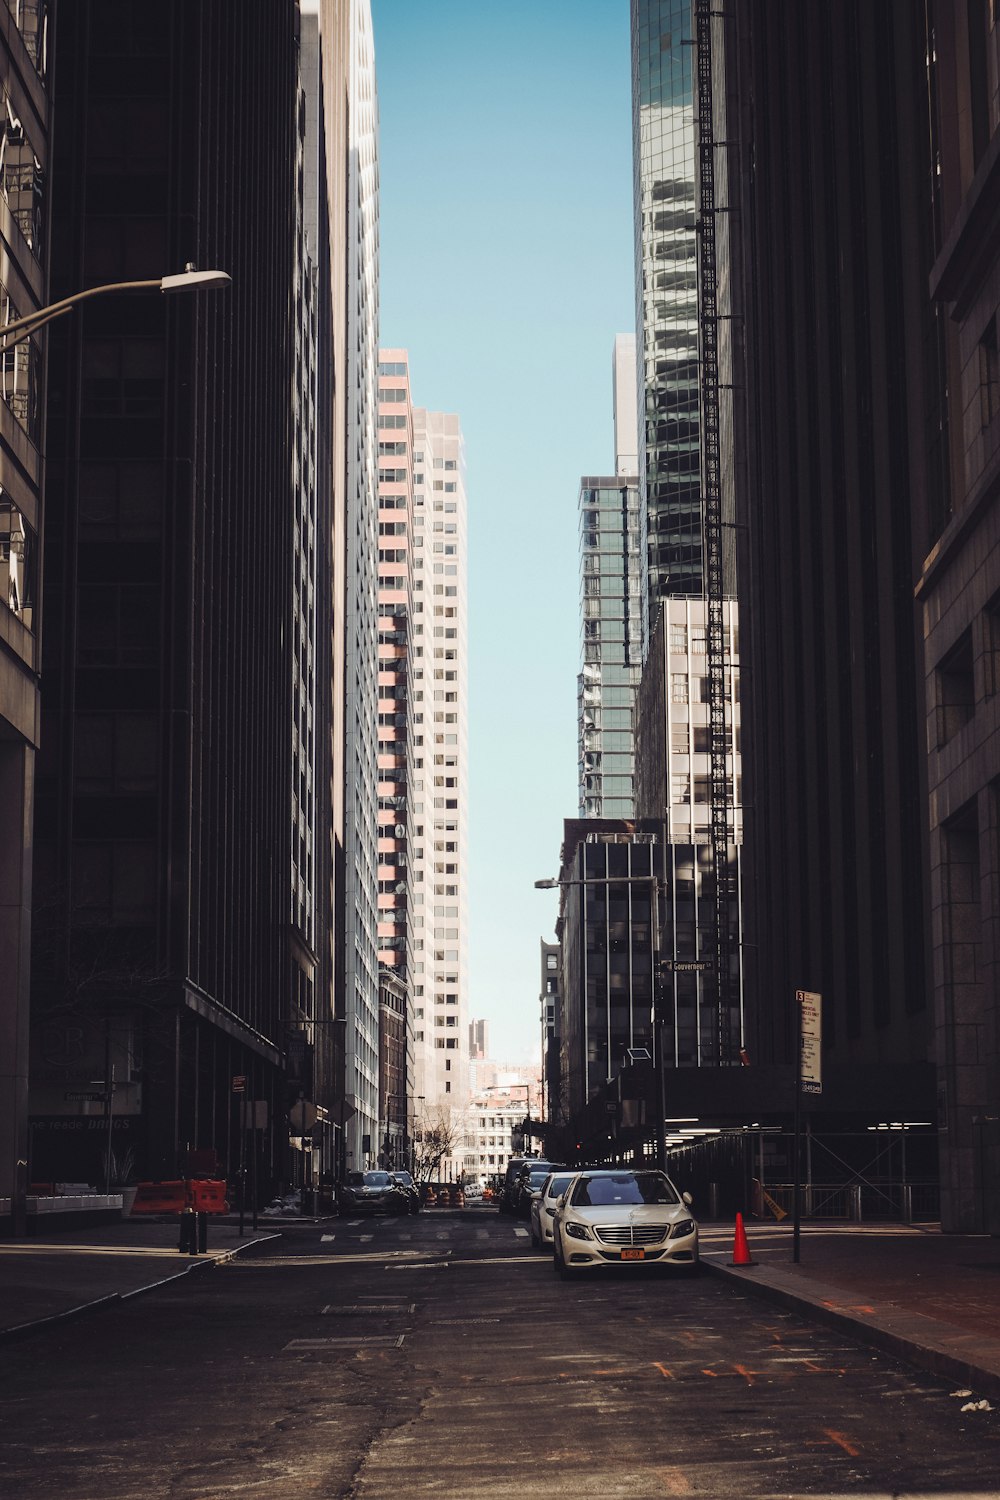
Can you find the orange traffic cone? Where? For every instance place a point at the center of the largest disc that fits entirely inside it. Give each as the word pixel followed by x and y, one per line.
pixel 741 1250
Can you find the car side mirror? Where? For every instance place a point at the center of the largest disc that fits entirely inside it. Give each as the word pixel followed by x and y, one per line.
pixel 686 1197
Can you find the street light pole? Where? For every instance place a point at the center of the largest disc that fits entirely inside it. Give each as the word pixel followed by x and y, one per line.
pixel 188 280
pixel 653 881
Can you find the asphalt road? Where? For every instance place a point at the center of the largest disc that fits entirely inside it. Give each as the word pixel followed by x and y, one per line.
pixel 440 1356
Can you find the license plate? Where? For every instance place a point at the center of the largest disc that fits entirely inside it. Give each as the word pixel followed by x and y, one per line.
pixel 635 1254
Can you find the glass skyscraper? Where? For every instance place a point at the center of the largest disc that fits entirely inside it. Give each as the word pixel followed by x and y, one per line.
pixel 666 297
pixel 611 578
pixel 611 608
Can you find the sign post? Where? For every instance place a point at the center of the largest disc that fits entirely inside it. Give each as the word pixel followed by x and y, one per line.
pixel 808 1080
pixel 240 1089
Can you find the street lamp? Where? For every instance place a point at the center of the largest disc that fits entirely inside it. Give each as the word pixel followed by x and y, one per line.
pixel 188 280
pixel 653 881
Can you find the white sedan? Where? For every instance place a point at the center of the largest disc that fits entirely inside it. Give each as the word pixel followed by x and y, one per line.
pixel 623 1217
pixel 543 1208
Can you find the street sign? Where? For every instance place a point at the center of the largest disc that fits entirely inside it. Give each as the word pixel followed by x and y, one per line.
pixel 686 965
pixel 240 1084
pixel 89 1098
pixel 811 1044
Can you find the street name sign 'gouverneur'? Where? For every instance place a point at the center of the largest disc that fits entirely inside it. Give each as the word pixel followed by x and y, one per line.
pixel 810 1041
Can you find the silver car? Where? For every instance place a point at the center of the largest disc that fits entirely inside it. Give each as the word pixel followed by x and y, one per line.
pixel 543 1208
pixel 623 1217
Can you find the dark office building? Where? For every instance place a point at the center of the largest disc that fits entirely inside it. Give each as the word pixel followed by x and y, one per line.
pixel 171 943
pixel 830 172
pixel 24 232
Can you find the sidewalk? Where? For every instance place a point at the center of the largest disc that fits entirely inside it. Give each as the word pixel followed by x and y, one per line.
pixel 928 1298
pixel 44 1280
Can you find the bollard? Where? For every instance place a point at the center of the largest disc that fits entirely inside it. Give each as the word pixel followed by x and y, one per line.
pixel 202 1233
pixel 188 1240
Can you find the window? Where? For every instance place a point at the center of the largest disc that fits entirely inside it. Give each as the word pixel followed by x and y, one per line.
pixel 678 687
pixel 956 689
pixel 989 374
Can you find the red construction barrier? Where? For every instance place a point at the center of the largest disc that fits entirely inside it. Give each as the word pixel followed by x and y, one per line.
pixel 160 1198
pixel 207 1197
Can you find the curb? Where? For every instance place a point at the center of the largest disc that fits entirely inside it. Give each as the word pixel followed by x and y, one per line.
pixel 930 1357
pixel 69 1314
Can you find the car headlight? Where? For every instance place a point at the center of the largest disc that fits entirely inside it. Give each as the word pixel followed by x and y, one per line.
pixel 578 1231
pixel 681 1228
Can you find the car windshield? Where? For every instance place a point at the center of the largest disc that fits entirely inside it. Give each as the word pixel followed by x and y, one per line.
pixel 403 1177
pixel 537 1178
pixel 376 1179
pixel 624 1187
pixel 558 1186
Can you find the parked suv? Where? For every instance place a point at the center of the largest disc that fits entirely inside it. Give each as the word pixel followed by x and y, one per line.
pixel 372 1193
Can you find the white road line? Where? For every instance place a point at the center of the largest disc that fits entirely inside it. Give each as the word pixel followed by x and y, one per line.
pixel 522 1233
pixel 406 1236
pixel 364 1238
pixel 327 1237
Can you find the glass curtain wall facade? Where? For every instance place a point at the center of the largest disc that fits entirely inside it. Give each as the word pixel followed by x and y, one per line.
pixel 666 297
pixel 361 748
pixel 611 575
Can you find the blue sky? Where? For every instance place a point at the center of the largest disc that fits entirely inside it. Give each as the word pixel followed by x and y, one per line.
pixel 507 270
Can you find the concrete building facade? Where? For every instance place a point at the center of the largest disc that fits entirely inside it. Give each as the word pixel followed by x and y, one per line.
pixel 440 782
pixel 958 594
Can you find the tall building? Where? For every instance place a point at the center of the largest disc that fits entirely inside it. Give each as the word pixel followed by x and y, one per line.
pixel 611 576
pixel 440 781
pixel 479 1046
pixel 25 212
pixel 611 585
pixel 360 952
pixel 689 442
pixel 395 716
pixel 666 252
pixel 841 438
pixel 608 935
pixel 958 594
pixel 184 854
pixel 551 1007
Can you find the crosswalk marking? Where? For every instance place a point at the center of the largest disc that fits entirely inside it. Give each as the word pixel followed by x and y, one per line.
pixel 327 1237
pixel 522 1233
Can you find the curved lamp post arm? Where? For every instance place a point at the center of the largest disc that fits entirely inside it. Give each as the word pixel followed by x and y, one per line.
pixel 189 280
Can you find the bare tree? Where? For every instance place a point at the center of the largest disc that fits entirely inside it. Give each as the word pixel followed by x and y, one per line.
pixel 435 1138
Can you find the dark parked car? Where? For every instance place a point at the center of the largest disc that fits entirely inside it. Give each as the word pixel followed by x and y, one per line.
pixel 373 1193
pixel 507 1193
pixel 529 1182
pixel 406 1182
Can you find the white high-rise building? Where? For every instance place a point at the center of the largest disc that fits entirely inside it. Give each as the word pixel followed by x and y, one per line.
pixel 440 774
pixel 361 999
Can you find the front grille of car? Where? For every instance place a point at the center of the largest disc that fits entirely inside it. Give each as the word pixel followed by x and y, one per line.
pixel 631 1234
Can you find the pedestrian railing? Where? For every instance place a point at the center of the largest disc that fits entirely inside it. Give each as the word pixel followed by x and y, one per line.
pixel 860 1202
